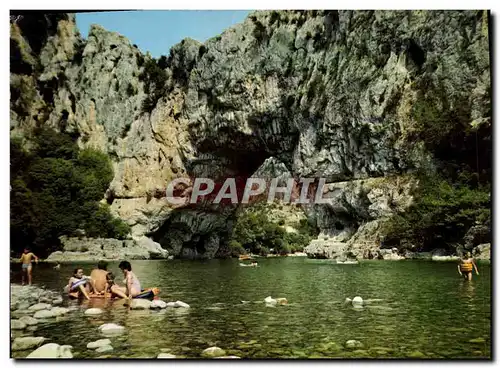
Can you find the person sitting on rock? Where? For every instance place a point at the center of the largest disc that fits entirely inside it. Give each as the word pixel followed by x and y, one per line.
pixel 98 277
pixel 78 284
pixel 133 286
pixel 466 265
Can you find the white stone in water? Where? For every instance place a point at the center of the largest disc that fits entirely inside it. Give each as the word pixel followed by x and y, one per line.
pixel 166 356
pixel 352 344
pixel 29 321
pixel 50 351
pixel 348 300
pixel 44 314
pixel 158 304
pixel 171 304
pixel 180 304
pixel 39 306
pixel 104 349
pixel 16 324
pixel 270 300
pixel 59 311
pixel 213 352
pixel 28 342
pixel 93 311
pixel 357 301
pixel 111 328
pixel 98 343
pixel 140 304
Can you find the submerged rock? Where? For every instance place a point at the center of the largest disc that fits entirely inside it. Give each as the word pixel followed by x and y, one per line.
pixel 16 324
pixel 352 344
pixel 270 300
pixel 111 329
pixel 28 342
pixel 29 321
pixel 39 306
pixel 59 311
pixel 166 356
pixel 357 302
pixel 416 354
pixel 104 349
pixel 158 304
pixel 140 304
pixel 44 314
pixel 213 352
pixel 93 311
pixel 99 343
pixel 179 304
pixel 51 351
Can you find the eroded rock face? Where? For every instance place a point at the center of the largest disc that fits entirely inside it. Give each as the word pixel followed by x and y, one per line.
pixel 326 93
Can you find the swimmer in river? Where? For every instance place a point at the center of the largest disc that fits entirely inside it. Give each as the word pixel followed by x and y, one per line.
pixel 26 259
pixel 466 265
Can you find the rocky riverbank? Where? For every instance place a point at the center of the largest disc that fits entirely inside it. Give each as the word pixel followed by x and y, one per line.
pixel 32 306
pixel 328 249
pixel 95 249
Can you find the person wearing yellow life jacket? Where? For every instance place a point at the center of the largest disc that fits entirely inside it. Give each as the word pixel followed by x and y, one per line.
pixel 466 265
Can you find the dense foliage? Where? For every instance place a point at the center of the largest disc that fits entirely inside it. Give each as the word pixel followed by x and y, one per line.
pixel 441 215
pixel 255 233
pixel 55 190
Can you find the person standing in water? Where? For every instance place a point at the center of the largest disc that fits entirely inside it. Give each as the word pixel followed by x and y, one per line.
pixel 26 259
pixel 466 265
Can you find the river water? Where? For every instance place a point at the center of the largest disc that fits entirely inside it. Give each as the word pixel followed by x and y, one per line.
pixel 416 309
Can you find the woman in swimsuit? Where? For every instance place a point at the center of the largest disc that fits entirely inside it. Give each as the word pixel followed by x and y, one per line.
pixel 78 284
pixel 133 286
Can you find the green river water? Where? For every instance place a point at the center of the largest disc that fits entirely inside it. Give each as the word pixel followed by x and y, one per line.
pixel 421 310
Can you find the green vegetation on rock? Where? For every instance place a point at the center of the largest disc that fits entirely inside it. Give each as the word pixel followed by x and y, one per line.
pixel 55 189
pixel 256 233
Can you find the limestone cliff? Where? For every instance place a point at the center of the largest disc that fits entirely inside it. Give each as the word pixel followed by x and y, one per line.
pixel 329 94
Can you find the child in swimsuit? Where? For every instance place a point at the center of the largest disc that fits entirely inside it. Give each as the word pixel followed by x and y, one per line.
pixel 26 259
pixel 466 265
